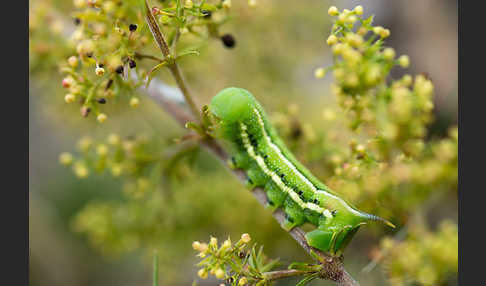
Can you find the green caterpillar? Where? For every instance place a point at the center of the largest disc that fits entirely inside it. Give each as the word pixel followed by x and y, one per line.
pixel 256 148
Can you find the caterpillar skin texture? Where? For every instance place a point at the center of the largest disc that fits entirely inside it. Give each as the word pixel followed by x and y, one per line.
pixel 256 148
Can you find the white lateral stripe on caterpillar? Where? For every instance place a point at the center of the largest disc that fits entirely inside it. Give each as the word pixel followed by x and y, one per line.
pixel 294 169
pixel 275 178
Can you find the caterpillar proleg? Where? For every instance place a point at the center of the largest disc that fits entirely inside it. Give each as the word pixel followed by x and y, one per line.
pixel 257 149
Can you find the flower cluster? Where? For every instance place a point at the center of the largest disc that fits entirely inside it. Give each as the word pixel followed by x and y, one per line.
pixel 132 157
pixel 110 39
pixel 394 112
pixel 237 264
pixel 425 257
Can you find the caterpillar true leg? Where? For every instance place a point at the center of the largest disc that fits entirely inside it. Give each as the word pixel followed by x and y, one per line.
pixel 275 196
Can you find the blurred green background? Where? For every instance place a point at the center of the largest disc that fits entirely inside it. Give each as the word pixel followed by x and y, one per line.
pixel 278 46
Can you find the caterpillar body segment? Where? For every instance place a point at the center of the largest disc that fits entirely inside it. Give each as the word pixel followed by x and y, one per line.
pixel 256 148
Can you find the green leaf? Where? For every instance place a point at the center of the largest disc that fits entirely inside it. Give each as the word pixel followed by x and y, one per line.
pixel 270 265
pixel 307 279
pixel 316 257
pixel 155 274
pixel 196 127
pixel 152 72
pixel 187 52
pixel 299 266
pixel 367 22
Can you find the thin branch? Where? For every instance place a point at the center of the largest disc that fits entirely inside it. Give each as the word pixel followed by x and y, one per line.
pixel 172 65
pixel 144 56
pixel 274 275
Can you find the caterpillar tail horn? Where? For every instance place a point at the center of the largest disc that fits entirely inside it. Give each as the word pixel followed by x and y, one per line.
pixel 382 220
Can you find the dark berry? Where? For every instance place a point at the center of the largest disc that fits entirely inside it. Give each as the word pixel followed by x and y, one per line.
pixel 206 14
pixel 132 63
pixel 108 84
pixel 77 21
pixel 89 54
pixel 228 40
pixel 102 100
pixel 119 69
pixel 132 27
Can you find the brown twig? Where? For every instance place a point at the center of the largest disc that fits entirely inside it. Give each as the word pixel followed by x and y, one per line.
pixel 144 56
pixel 274 275
pixel 171 63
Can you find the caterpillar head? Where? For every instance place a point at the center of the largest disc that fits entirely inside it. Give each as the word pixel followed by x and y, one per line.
pixel 232 104
pixel 337 232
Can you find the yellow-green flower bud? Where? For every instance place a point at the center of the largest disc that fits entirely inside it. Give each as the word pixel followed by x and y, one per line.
pixel 113 139
pixel 79 3
pixel 73 61
pixel 407 80
pixel 69 98
pixel 329 114
pixel 84 144
pixel 189 4
pixel 101 117
pixel 213 242
pixel 354 39
pixel 358 10
pixel 99 71
pixel 86 46
pixel 203 247
pixel 80 170
pixel 352 56
pixel 109 6
pixel 245 237
pixel 203 273
pixel 219 273
pixel 65 158
pixel 360 148
pixel 67 82
pixel 333 11
pixel 338 49
pixel 404 61
pixel 134 102
pixel 102 150
pixel 319 73
pixel 362 31
pixel 116 170
pixel 338 73
pixel 242 281
pixel 389 54
pixel 226 244
pixel 385 33
pixel 196 245
pixel 227 4
pixel 351 19
pixel 378 30
pixel 331 40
